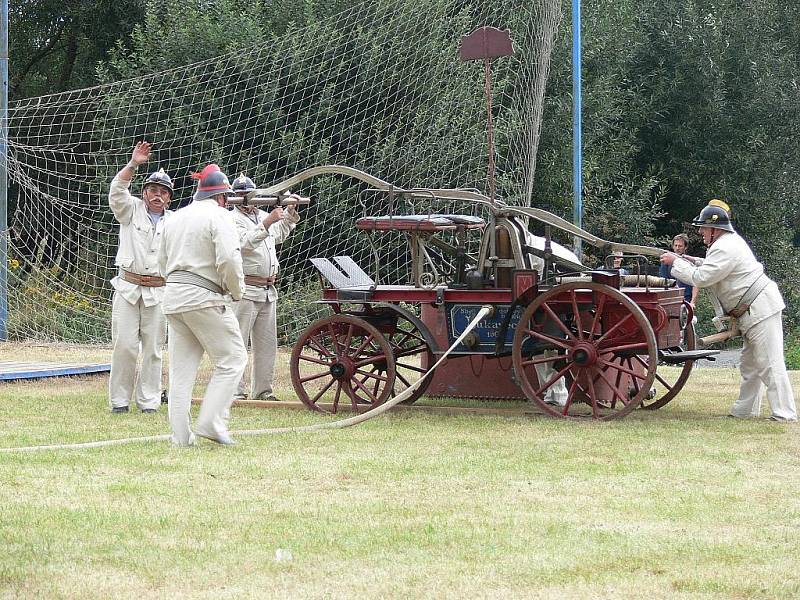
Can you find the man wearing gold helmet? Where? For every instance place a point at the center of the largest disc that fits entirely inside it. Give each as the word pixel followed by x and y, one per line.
pixel 742 291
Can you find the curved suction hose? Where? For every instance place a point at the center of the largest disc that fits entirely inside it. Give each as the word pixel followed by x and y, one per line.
pixel 341 424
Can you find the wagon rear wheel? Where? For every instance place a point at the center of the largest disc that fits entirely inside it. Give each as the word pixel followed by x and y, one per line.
pixel 342 358
pixel 579 333
pixel 669 379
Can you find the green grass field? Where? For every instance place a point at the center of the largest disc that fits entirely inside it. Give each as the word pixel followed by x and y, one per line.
pixel 677 503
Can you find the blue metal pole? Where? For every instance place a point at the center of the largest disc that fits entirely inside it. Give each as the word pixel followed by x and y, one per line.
pixel 577 159
pixel 4 171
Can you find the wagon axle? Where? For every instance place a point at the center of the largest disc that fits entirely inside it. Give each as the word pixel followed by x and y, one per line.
pixel 343 369
pixel 584 355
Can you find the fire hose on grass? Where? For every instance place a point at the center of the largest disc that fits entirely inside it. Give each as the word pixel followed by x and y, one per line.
pixel 485 311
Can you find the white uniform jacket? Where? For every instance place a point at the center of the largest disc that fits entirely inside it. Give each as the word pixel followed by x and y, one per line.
pixel 201 238
pixel 728 271
pixel 258 249
pixel 139 242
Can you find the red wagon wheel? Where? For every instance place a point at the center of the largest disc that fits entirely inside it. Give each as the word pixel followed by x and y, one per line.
pixel 579 331
pixel 344 356
pixel 411 351
pixel 670 379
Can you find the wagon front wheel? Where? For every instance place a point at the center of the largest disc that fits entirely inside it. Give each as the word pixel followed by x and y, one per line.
pixel 342 358
pixel 570 349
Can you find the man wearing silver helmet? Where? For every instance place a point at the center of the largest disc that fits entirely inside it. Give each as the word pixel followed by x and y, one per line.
pixel 138 326
pixel 200 256
pixel 259 233
pixel 741 291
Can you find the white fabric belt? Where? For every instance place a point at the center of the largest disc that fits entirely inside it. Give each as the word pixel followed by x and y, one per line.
pixel 749 296
pixel 193 279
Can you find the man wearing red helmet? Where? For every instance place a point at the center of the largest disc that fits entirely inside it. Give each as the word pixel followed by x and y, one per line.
pixel 259 233
pixel 200 255
pixel 137 323
pixel 742 291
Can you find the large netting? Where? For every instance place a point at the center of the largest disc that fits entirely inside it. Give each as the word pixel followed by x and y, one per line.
pixel 378 87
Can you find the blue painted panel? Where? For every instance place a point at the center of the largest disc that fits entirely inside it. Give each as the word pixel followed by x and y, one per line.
pixel 460 315
pixel 32 372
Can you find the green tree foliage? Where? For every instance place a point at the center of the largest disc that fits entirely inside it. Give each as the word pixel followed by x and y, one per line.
pixel 174 33
pixel 622 200
pixel 301 97
pixel 721 80
pixel 54 45
pixel 684 100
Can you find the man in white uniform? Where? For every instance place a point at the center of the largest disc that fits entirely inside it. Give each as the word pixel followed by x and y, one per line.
pixel 556 394
pixel 200 256
pixel 137 323
pixel 259 233
pixel 742 291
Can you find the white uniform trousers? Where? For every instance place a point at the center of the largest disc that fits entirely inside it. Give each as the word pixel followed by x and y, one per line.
pixel 763 365
pixel 213 330
pixel 135 327
pixel 556 394
pixel 258 326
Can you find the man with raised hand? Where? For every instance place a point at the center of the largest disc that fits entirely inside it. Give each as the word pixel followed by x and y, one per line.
pixel 200 255
pixel 740 290
pixel 259 233
pixel 137 323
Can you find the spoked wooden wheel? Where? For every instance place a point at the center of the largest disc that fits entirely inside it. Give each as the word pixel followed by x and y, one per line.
pixel 576 333
pixel 411 352
pixel 342 359
pixel 670 379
